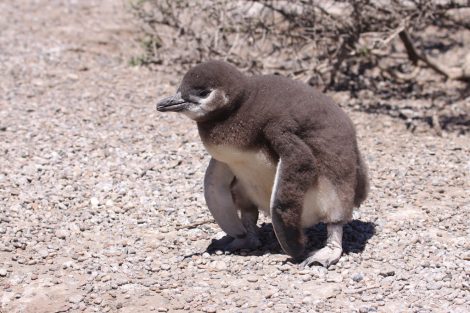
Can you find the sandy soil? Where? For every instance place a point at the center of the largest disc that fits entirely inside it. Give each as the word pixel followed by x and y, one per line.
pixel 101 196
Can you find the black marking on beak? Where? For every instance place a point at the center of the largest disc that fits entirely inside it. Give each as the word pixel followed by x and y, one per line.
pixel 172 104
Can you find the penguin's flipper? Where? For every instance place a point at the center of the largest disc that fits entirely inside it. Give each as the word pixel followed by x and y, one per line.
pixel 217 185
pixel 285 214
pixel 295 173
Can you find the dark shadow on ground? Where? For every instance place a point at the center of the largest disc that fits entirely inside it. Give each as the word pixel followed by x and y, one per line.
pixel 269 243
pixel 355 237
pixel 356 234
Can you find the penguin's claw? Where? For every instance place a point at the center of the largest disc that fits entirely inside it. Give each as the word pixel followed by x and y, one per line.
pixel 325 257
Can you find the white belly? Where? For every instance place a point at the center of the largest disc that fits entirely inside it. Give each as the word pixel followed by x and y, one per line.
pixel 257 174
pixel 253 169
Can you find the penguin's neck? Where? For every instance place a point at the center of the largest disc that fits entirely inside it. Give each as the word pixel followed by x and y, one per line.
pixel 232 130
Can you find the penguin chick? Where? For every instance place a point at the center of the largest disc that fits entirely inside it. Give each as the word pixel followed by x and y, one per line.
pixel 277 146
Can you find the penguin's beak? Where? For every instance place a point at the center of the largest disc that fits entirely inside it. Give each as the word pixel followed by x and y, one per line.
pixel 172 104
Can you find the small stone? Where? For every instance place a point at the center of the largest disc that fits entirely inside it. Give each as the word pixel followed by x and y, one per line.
pixel 61 234
pixel 358 277
pixel 388 281
pixel 252 279
pixel 434 286
pixel 43 253
pixel 97 300
pixel 165 267
pixel 459 301
pixel 363 309
pixel 67 264
pixel 219 265
pixel 62 206
pixel 466 256
pixel 75 299
pixel 3 272
pixel 94 202
pixel 368 298
pixel 334 277
pixel 211 309
pixel 387 271
pixel 319 271
pixel 307 300
pixel 105 278
pixel 19 245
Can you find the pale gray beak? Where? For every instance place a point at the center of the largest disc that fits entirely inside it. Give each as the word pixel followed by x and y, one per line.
pixel 172 104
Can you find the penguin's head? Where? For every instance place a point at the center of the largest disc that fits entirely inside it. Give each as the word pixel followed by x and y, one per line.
pixel 207 91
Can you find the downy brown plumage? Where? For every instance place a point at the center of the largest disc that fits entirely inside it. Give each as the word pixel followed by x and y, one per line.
pixel 278 146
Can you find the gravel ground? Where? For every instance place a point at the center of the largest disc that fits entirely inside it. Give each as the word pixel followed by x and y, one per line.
pixel 101 205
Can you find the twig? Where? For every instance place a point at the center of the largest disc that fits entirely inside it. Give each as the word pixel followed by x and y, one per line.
pixel 414 56
pixel 194 225
pixel 436 124
pixel 342 52
pixel 398 75
pixel 360 290
pixel 396 32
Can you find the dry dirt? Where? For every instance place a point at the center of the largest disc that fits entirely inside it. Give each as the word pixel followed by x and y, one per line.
pixel 100 196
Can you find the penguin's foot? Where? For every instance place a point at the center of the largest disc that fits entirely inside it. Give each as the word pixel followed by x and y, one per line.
pixel 230 244
pixel 331 253
pixel 325 257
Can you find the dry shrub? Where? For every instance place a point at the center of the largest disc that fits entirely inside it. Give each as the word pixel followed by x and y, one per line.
pixel 382 52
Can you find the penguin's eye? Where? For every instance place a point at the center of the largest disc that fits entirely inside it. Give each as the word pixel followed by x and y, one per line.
pixel 203 93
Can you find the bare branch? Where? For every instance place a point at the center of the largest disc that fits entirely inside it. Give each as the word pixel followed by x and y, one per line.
pixel 414 56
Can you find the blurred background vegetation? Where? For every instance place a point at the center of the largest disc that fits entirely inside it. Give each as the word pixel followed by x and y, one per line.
pixel 409 59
